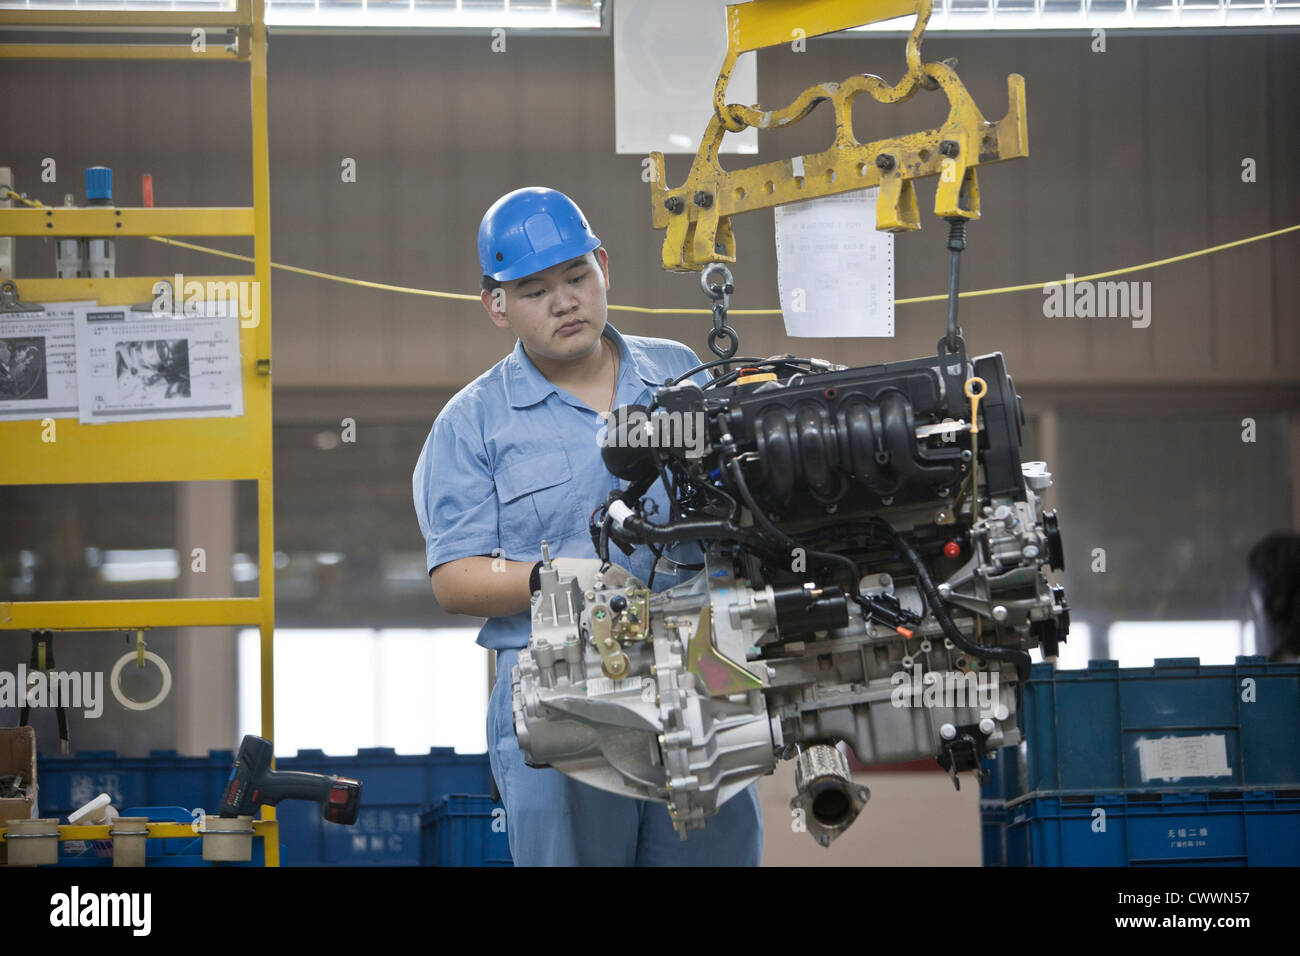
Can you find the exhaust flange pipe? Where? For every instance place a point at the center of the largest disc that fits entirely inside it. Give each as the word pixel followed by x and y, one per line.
pixel 826 796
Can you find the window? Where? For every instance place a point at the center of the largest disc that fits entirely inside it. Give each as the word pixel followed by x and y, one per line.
pixel 1075 652
pixel 351 14
pixel 1138 643
pixel 992 16
pixel 587 16
pixel 338 690
pixel 1159 510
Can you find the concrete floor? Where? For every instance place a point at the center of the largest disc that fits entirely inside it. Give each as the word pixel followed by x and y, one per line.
pixel 912 819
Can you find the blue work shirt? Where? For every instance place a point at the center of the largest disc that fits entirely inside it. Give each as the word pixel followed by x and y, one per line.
pixel 513 459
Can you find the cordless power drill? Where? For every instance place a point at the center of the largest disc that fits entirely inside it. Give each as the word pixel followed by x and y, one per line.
pixel 253 784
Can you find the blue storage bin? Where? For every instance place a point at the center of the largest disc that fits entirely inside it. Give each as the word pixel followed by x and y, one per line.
pixel 387 835
pixel 1002 767
pixel 190 781
pixel 396 789
pixel 993 832
pixel 1177 725
pixel 465 830
pixel 65 783
pixel 1191 828
pixel 164 778
pixel 400 778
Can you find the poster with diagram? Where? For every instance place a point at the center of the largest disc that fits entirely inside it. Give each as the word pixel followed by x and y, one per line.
pixel 139 366
pixel 38 363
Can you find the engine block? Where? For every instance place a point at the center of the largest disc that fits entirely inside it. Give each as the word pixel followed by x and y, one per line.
pixel 874 575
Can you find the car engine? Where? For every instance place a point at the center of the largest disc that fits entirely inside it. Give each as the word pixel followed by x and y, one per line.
pixel 873 576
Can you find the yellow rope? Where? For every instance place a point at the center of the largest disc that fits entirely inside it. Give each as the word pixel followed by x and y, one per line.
pixel 324 275
pixel 1103 275
pixel 649 311
pixel 9 193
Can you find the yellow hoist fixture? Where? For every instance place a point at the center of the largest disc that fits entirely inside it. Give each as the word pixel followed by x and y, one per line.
pixel 697 215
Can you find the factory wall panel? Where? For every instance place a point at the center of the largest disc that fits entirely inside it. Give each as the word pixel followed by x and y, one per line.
pixel 1135 154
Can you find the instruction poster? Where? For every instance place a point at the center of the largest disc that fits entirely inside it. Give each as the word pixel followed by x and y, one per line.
pixel 137 366
pixel 835 271
pixel 38 363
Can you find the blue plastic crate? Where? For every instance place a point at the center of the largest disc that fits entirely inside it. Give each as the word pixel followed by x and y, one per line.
pixel 65 783
pixel 993 832
pixel 387 835
pixel 1191 828
pixel 1002 784
pixel 1178 725
pixel 465 830
pixel 164 778
pixel 189 781
pixel 394 778
pixel 395 790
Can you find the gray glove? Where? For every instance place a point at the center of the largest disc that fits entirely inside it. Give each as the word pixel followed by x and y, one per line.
pixel 585 570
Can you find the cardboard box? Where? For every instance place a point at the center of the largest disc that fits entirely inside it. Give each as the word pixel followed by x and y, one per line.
pixel 17 755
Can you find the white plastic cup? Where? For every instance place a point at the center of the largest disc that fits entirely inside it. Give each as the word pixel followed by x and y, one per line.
pixel 228 839
pixel 130 834
pixel 32 842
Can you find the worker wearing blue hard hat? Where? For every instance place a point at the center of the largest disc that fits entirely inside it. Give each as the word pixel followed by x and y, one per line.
pixel 514 458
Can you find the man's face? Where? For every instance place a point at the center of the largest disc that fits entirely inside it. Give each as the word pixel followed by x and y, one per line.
pixel 558 313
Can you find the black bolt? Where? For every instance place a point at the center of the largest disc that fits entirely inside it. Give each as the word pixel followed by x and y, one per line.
pixel 674 204
pixel 949 147
pixel 618 604
pixel 703 199
pixel 885 161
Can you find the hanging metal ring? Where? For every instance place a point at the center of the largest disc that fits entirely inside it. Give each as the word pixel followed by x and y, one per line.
pixel 724 332
pixel 721 291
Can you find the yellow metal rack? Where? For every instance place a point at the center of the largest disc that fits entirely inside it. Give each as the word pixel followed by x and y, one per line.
pixel 217 449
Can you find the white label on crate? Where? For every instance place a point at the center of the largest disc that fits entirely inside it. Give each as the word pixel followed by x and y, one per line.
pixel 1172 758
pixel 597 686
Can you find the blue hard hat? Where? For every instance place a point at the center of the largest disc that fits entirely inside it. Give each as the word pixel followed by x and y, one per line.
pixel 529 230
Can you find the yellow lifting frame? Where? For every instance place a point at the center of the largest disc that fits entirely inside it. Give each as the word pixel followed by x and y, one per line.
pixel 214 449
pixel 696 215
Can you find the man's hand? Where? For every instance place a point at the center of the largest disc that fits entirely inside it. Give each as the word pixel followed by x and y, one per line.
pixel 494 587
pixel 584 569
